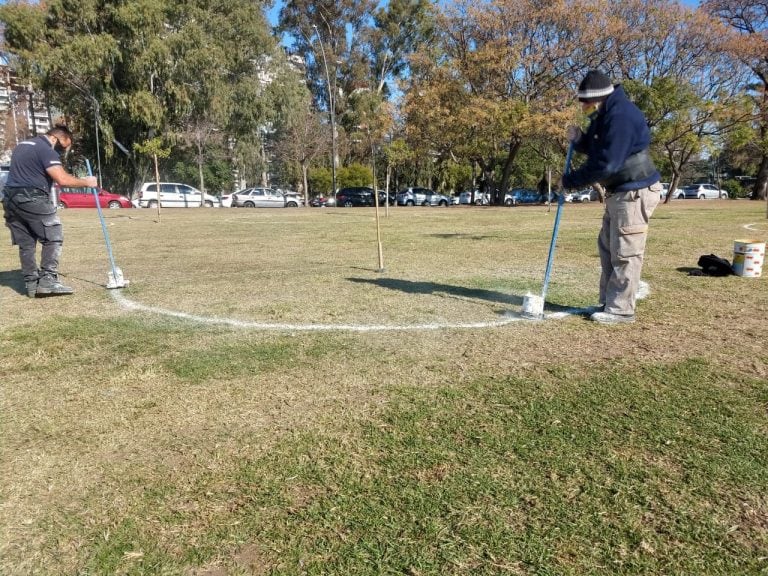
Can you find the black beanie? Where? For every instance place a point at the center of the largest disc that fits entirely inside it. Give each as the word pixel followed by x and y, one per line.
pixel 595 86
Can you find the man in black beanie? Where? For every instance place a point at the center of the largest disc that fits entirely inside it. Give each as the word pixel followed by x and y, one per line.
pixel 616 144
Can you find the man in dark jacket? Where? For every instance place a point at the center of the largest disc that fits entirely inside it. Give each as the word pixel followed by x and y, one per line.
pixel 616 144
pixel 29 212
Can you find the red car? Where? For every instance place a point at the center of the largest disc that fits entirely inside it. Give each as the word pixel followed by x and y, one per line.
pixel 83 198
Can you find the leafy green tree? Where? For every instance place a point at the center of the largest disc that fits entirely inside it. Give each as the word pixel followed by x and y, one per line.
pixel 351 48
pixel 692 97
pixel 749 44
pixel 400 28
pixel 398 156
pixel 355 175
pixel 148 67
pixel 320 181
pixel 301 139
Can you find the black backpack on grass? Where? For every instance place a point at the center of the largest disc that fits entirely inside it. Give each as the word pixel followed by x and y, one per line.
pixel 712 265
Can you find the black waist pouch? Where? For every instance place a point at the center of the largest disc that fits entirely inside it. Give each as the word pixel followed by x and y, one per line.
pixel 639 166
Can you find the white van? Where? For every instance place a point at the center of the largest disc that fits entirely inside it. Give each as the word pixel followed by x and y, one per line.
pixel 174 195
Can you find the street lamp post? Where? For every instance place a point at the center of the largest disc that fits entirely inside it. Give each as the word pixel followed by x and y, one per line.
pixel 331 112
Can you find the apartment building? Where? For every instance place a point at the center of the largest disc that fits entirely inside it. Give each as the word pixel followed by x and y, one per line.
pixel 23 112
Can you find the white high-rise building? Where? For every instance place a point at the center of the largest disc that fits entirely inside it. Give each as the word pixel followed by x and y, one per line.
pixel 23 112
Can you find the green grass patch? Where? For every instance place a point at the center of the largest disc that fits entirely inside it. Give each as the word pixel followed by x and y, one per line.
pixel 132 442
pixel 629 470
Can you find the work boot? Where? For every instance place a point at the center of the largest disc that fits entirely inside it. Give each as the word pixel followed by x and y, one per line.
pixel 31 288
pixel 50 286
pixel 608 318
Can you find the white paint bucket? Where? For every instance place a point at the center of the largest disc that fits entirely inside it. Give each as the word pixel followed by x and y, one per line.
pixel 748 256
pixel 533 306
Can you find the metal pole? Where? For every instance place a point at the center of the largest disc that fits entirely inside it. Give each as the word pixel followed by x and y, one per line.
pixel 560 202
pixel 98 152
pixel 103 225
pixel 331 112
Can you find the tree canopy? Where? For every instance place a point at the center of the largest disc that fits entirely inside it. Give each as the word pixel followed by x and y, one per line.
pixel 451 94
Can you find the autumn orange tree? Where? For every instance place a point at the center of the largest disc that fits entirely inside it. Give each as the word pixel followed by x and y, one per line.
pixel 690 91
pixel 504 73
pixel 749 44
pixel 499 77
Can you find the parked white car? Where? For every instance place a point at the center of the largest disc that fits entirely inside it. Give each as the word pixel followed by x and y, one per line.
pixel 480 198
pixel 265 198
pixel 702 191
pixel 678 193
pixel 174 195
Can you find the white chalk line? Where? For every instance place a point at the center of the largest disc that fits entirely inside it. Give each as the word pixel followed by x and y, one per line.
pixel 751 227
pixel 507 318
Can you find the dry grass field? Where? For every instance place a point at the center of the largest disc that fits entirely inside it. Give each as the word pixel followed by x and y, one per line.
pixel 262 400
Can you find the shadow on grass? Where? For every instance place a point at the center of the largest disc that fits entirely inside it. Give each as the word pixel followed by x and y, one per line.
pixel 411 287
pixel 462 236
pixel 14 280
pixel 689 270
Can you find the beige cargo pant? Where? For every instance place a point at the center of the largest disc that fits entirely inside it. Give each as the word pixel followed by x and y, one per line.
pixel 621 245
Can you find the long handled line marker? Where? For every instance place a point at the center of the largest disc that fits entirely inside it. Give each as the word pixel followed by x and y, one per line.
pixel 533 306
pixel 115 276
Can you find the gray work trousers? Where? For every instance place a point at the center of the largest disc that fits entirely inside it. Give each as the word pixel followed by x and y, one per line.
pixel 32 218
pixel 621 245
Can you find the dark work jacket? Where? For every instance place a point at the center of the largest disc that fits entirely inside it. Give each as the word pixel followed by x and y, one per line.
pixel 618 131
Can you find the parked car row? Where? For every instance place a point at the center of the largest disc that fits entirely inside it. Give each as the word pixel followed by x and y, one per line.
pixel 175 195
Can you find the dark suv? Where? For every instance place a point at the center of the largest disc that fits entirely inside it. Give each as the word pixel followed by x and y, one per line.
pixel 355 196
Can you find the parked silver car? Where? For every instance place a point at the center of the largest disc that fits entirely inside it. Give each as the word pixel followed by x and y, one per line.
pixel 264 198
pixel 586 195
pixel 437 199
pixel 702 191
pixel 413 196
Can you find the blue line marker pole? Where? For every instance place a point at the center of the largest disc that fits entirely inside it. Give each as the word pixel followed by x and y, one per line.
pixel 560 202
pixel 116 279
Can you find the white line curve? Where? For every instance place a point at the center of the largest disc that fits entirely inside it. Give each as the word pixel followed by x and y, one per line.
pixel 507 318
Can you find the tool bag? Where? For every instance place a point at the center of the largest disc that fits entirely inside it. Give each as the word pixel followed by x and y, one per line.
pixel 712 265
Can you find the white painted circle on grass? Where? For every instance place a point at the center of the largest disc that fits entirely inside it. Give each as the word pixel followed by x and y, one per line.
pixel 506 318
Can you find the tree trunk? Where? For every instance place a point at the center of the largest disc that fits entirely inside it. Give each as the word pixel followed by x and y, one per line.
pixel 305 182
pixel 264 172
pixel 157 181
pixel 202 181
pixel 498 195
pixel 761 182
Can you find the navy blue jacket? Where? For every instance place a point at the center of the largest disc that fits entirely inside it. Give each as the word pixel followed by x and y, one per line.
pixel 617 131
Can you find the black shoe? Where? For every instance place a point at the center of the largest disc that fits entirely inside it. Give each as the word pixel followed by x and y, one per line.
pixel 49 286
pixel 31 288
